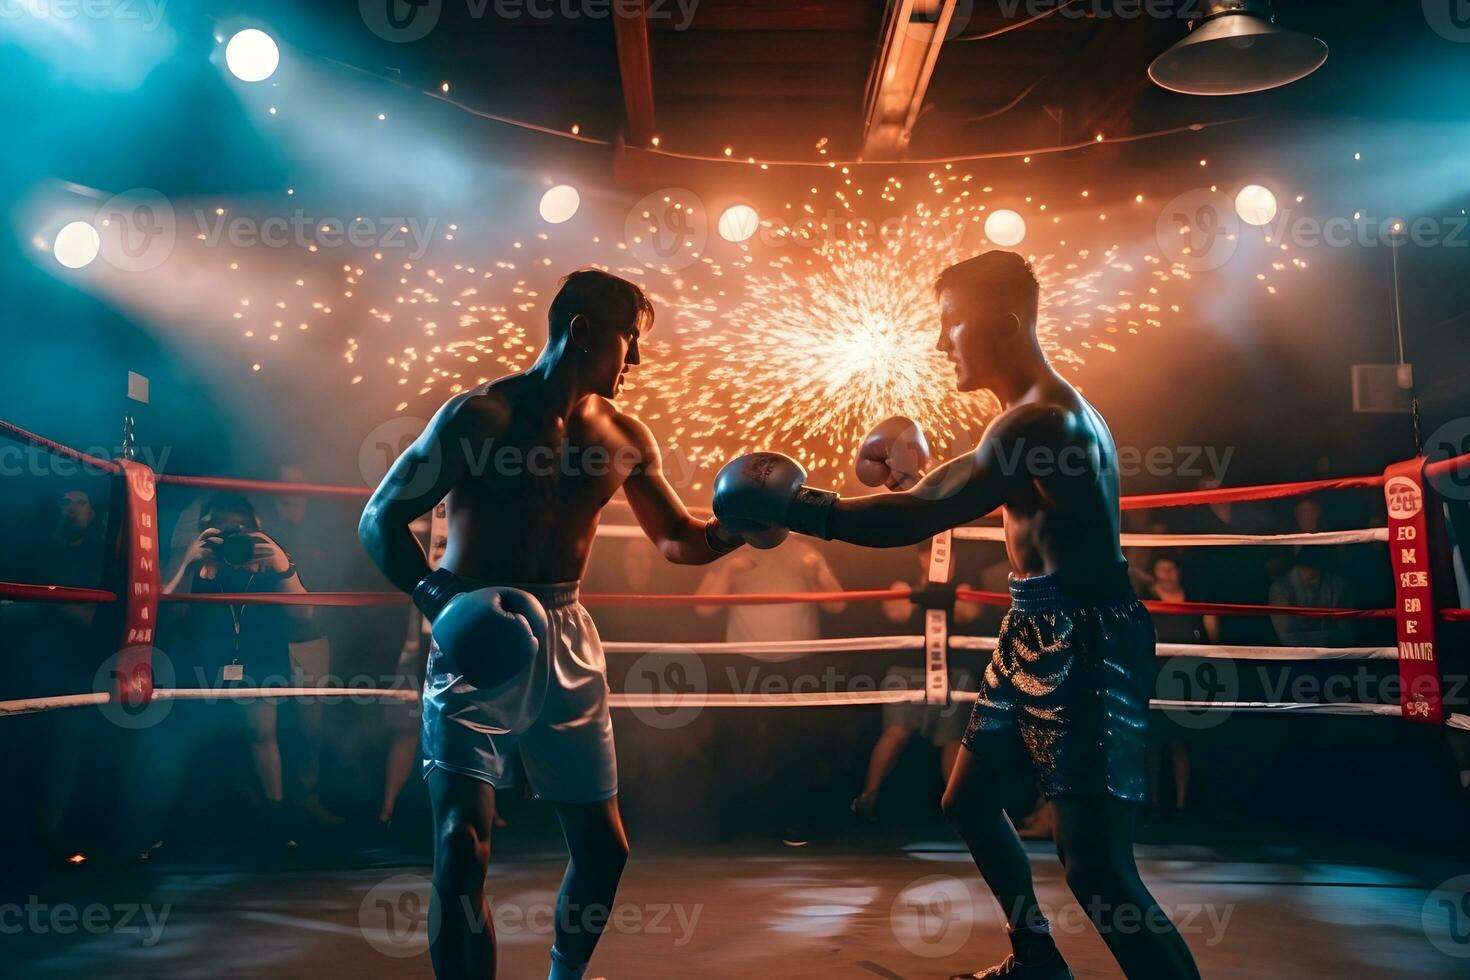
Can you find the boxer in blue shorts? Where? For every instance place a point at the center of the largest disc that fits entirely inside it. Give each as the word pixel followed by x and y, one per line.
pixel 1068 686
pixel 525 466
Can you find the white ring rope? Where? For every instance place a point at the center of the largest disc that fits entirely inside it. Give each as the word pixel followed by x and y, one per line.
pixel 835 645
pixel 1207 651
pixel 27 706
pixel 250 693
pixel 1254 707
pixel 1366 535
pixel 1290 707
pixel 706 700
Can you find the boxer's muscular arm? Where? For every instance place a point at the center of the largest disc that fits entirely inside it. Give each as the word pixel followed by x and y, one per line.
pixel 418 479
pixel 657 507
pixel 961 490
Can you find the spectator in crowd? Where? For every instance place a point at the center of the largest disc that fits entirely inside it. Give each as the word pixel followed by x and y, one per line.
pixel 304 533
pixel 1140 559
pixel 1307 517
pixel 216 646
pixel 636 568
pixel 795 566
pixel 404 719
pixel 1165 737
pixel 1165 572
pixel 59 654
pixel 1230 573
pixel 942 726
pixel 1311 581
pixel 667 771
pixel 73 553
pixel 796 762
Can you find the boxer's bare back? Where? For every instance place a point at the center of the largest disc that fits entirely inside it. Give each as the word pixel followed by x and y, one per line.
pixel 525 479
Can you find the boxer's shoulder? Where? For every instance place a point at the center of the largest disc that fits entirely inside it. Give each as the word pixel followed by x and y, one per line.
pixel 487 411
pixel 1030 423
pixel 616 426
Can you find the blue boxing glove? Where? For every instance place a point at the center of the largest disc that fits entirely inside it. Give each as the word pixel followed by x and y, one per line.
pixel 763 491
pixel 489 636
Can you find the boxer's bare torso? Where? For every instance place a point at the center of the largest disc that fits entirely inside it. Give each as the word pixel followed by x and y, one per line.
pixel 1061 512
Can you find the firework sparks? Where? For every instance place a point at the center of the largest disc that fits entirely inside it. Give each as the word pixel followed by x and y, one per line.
pixel 798 339
pixel 820 348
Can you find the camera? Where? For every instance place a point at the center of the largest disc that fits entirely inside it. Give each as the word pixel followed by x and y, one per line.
pixel 237 548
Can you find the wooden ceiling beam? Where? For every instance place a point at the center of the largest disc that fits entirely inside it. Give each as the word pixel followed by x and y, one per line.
pixel 635 67
pixel 913 31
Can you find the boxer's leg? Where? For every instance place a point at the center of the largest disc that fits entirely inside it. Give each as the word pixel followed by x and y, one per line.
pixel 1095 842
pixel 310 664
pixel 599 851
pixel 405 720
pixel 974 802
pixel 462 943
pixel 403 756
pixel 265 748
pixel 158 760
pixel 949 754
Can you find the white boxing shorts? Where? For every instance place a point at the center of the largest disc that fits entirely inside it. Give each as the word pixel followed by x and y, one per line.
pixel 554 713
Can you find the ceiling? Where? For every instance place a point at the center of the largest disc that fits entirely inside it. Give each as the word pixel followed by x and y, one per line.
pixel 771 77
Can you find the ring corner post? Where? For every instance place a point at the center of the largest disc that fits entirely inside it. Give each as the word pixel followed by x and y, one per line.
pixel 136 578
pixel 936 621
pixel 1415 608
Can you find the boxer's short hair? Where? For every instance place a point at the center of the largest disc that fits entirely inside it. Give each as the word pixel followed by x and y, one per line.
pixel 996 276
pixel 605 299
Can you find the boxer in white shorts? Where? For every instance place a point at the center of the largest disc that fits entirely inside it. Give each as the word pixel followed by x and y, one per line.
pixel 554 713
pixel 524 466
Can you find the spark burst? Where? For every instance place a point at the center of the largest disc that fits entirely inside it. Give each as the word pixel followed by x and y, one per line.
pixel 821 347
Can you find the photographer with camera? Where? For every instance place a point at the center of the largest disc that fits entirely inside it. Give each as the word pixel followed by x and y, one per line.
pixel 220 646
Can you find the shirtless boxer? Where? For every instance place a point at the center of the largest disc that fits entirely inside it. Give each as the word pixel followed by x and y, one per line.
pixel 525 466
pixel 1071 678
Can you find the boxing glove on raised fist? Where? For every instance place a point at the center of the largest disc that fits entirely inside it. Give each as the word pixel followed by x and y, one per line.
pixel 894 455
pixel 759 492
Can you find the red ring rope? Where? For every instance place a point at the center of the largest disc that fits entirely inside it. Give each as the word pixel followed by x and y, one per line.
pixel 24 592
pixel 587 599
pixel 1265 491
pixel 750 599
pixel 287 598
pixel 263 486
pixel 25 435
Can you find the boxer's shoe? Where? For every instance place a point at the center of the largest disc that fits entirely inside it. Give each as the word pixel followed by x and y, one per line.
pixel 1051 967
